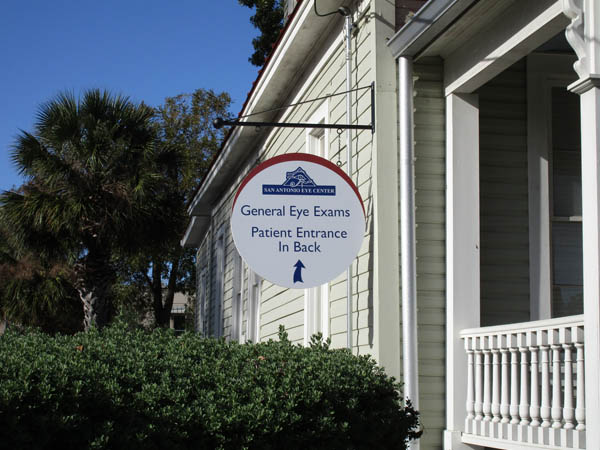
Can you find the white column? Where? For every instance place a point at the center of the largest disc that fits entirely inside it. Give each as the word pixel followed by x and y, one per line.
pixel 462 252
pixel 496 385
pixel 470 404
pixel 524 401
pixel 487 385
pixel 514 385
pixel 504 405
pixel 568 410
pixel 534 408
pixel 545 407
pixel 590 182
pixel 478 384
pixel 580 402
pixel 584 36
pixel 556 388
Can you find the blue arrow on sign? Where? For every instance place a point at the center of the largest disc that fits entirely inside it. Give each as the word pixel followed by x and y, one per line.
pixel 298 272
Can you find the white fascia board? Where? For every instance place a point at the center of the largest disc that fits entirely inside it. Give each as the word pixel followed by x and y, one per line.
pixel 425 26
pixel 514 34
pixel 201 203
pixel 195 231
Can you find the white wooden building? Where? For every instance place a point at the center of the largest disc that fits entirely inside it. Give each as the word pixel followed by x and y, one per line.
pixel 481 188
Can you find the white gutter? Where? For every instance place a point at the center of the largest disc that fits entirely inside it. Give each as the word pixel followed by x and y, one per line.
pixel 430 21
pixel 408 253
pixel 348 28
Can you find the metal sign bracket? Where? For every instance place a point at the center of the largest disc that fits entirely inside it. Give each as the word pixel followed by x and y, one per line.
pixel 220 122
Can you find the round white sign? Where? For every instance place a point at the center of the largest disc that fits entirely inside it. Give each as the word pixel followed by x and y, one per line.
pixel 298 220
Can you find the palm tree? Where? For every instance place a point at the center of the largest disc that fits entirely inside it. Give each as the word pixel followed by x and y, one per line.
pixel 88 170
pixel 36 292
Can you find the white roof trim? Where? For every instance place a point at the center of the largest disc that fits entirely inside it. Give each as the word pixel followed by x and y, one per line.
pixel 281 50
pixel 425 25
pixel 195 230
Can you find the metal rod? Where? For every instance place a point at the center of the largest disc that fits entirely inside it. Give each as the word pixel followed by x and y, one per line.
pixel 312 100
pixel 407 234
pixel 372 107
pixel 348 18
pixel 220 123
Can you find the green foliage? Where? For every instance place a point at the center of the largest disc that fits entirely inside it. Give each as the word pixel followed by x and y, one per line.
pixel 268 18
pixel 123 388
pixel 88 166
pixel 185 144
pixel 100 216
pixel 35 291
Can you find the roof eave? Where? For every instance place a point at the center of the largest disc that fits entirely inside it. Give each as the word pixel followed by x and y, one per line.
pixel 195 230
pixel 429 22
pixel 266 90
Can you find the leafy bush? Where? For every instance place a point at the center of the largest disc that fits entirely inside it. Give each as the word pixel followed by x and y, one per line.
pixel 128 389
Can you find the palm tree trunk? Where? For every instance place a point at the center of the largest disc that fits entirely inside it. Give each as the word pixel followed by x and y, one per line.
pixel 94 281
pixel 96 310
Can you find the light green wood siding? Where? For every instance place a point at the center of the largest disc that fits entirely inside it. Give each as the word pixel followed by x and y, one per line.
pixel 280 306
pixel 503 198
pixel 430 182
pixel 220 223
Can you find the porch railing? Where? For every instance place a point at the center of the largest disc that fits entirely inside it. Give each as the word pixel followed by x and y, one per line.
pixel 525 385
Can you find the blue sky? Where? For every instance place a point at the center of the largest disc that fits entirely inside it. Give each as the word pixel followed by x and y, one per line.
pixel 147 50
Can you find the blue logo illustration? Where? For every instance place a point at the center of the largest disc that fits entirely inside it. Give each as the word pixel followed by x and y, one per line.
pixel 297 182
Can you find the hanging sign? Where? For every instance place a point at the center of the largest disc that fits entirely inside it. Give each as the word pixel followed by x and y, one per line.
pixel 298 220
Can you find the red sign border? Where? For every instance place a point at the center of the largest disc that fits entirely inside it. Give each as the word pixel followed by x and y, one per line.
pixel 298 157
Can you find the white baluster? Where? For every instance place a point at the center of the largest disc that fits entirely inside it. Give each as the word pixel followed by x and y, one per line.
pixel 496 385
pixel 580 407
pixel 487 386
pixel 545 408
pixel 514 386
pixel 504 408
pixel 478 385
pixel 534 408
pixel 470 386
pixel 556 388
pixel 524 401
pixel 568 411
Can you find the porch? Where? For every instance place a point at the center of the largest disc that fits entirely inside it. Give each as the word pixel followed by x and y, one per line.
pixel 516 259
pixel 525 385
pixel 521 82
pixel 515 268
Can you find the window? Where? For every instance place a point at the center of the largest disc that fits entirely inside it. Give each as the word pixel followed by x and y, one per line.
pixel 316 300
pixel 253 307
pixel 201 303
pixel 178 323
pixel 566 237
pixel 554 171
pixel 236 297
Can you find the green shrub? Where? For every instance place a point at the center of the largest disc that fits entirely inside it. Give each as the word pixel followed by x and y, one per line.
pixel 133 389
